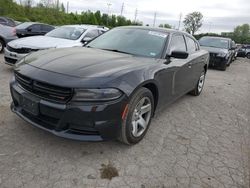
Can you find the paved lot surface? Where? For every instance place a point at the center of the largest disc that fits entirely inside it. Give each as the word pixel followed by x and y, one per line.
pixel 198 142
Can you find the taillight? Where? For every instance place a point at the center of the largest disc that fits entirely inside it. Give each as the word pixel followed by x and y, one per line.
pixel 14 31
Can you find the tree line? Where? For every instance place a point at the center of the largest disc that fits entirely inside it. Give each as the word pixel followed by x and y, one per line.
pixel 54 13
pixel 193 22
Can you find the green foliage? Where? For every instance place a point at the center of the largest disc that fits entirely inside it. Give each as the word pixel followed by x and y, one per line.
pixel 53 12
pixel 193 22
pixel 241 34
pixel 165 26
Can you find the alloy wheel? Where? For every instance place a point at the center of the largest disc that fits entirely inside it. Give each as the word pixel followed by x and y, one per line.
pixel 201 82
pixel 141 116
pixel 1 46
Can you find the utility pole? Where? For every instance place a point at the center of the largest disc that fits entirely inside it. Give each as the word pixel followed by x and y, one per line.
pixel 109 4
pixel 67 7
pixel 179 25
pixel 209 28
pixel 154 19
pixel 136 14
pixel 122 9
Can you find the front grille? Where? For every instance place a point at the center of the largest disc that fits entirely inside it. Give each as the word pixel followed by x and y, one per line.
pixel 44 90
pixel 10 60
pixel 214 58
pixel 21 50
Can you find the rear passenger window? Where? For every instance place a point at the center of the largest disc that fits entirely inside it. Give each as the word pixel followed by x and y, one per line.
pixel 35 28
pixel 47 28
pixel 177 43
pixel 191 45
pixel 92 34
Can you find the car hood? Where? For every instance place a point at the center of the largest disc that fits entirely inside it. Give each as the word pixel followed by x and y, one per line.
pixel 86 62
pixel 41 42
pixel 215 50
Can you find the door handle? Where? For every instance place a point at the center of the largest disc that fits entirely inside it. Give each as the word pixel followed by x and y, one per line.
pixel 190 65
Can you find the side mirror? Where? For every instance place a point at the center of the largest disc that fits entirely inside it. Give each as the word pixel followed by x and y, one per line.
pixel 29 29
pixel 86 39
pixel 179 54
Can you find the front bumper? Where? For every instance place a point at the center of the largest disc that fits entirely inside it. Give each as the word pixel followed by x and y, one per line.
pixel 78 121
pixel 216 61
pixel 11 58
pixel 10 38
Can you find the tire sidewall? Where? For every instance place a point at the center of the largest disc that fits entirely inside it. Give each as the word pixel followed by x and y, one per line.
pixel 2 44
pixel 197 85
pixel 127 123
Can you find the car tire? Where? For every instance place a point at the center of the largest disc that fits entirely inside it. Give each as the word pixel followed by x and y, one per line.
pixel 2 44
pixel 248 56
pixel 223 67
pixel 138 117
pixel 199 85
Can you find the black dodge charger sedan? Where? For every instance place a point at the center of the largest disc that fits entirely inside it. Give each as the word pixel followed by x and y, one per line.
pixel 221 51
pixel 111 88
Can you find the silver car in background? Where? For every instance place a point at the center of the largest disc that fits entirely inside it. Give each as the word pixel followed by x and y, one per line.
pixel 61 37
pixel 7 34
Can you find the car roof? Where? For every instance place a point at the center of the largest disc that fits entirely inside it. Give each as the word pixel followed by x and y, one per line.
pixel 224 38
pixel 165 30
pixel 85 26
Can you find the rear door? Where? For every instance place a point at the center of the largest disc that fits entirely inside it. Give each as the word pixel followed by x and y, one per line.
pixel 34 30
pixel 183 75
pixel 195 61
pixel 46 29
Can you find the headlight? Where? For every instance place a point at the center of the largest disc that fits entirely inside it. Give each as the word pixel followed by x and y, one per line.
pixel 96 94
pixel 221 55
pixel 19 62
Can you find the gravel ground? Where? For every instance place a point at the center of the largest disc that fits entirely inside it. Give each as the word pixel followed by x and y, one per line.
pixel 198 142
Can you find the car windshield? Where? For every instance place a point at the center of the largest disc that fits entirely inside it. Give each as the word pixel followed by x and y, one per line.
pixel 214 42
pixel 141 42
pixel 24 25
pixel 71 33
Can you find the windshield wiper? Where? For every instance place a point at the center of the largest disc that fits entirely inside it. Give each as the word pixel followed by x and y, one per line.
pixel 115 50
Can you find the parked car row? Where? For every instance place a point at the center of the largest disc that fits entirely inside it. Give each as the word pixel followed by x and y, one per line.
pixel 222 51
pixel 244 51
pixel 61 37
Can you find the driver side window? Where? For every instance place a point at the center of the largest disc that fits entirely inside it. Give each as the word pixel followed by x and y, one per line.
pixel 178 43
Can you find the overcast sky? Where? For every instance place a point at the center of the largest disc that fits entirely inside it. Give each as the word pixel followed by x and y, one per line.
pixel 219 15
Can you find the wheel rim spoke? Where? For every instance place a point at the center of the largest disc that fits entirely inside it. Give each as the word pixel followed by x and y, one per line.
pixel 141 116
pixel 142 122
pixel 135 128
pixel 145 109
pixel 201 82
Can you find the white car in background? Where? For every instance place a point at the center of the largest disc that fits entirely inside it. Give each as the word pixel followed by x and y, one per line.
pixel 61 37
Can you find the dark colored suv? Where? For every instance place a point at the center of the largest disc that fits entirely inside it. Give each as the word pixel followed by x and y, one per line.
pixel 32 29
pixel 221 51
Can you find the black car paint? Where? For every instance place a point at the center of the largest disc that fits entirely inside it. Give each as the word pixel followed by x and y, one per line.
pixel 89 68
pixel 216 61
pixel 28 31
